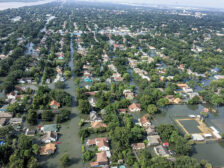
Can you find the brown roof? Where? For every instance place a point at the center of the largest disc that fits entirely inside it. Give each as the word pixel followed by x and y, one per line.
pixel 91 142
pixel 102 143
pixel 54 103
pixel 47 149
pixel 134 105
pixel 93 164
pixel 102 139
pixel 101 157
pixel 143 120
pixel 91 93
pixel 182 85
pixel 98 124
pixel 122 110
pixel 138 146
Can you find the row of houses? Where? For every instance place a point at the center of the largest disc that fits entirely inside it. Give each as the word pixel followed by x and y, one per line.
pixel 103 155
pixel 153 138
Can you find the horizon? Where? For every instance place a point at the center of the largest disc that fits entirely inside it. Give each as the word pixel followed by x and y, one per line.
pixel 186 3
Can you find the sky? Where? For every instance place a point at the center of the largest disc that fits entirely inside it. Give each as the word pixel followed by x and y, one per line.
pixel 193 3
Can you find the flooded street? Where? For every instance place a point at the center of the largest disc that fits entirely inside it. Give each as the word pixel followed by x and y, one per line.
pixel 69 131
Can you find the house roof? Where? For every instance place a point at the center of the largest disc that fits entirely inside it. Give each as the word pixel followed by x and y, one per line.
pixel 54 103
pixel 102 143
pixel 94 164
pixel 15 120
pixel 5 115
pixel 2 121
pixel 47 147
pixel 48 135
pixel 182 85
pixel 122 110
pixel 101 157
pixel 102 139
pixel 138 146
pixel 134 105
pixel 91 142
pixel 51 127
pixel 144 120
pixel 98 124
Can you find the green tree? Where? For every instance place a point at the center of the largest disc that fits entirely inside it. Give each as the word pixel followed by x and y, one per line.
pixel 31 117
pixel 84 106
pixel 162 102
pixel 64 160
pixel 32 163
pixel 152 109
pixel 67 74
pixel 35 149
pixel 47 115
pixel 186 162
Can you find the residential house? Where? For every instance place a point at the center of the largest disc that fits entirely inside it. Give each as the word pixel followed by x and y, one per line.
pixel 102 145
pixel 11 95
pixel 182 85
pixel 187 90
pixel 128 94
pixel 101 158
pixel 54 104
pixel 134 107
pixel 87 74
pixel 161 151
pixel 123 111
pixel 47 149
pixel 30 132
pixel 150 130
pixel 5 115
pixel 14 121
pixel 92 101
pixel 94 117
pixel 218 77
pixel 91 93
pixel 181 67
pixel 2 122
pixel 49 128
pixel 173 100
pixel 98 124
pixel 138 146
pixel 144 121
pixel 49 137
pixel 153 140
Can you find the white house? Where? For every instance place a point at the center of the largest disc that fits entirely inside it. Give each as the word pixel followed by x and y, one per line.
pixel 49 137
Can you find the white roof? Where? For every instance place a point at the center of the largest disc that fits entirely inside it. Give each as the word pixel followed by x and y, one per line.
pixel 207 135
pixel 198 137
pixel 192 116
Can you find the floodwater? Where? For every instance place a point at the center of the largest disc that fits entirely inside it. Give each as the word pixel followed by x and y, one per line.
pixel 10 5
pixel 69 132
pixel 211 151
